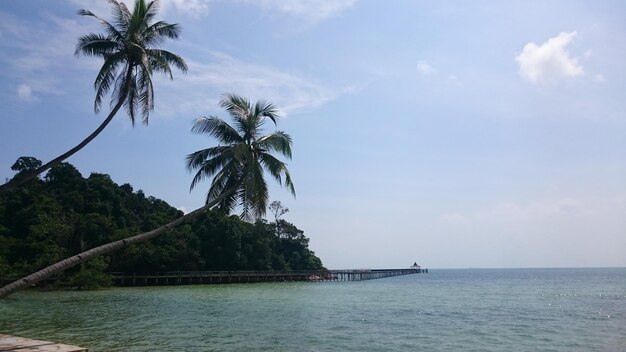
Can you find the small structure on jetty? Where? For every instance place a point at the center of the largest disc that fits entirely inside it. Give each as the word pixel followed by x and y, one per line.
pixel 225 277
pixel 20 344
pixel 418 268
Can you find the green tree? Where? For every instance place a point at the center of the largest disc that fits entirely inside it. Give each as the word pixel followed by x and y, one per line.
pixel 131 54
pixel 237 163
pixel 25 164
pixel 277 209
pixel 238 169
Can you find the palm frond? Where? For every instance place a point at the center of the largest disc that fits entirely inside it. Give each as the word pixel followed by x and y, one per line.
pixel 206 167
pixel 106 77
pixel 95 45
pixel 166 58
pixel 243 153
pixel 128 93
pixel 227 180
pixel 197 159
pixel 113 33
pixel 274 166
pixel 159 31
pixel 289 183
pixel 259 191
pixel 239 164
pixel 130 39
pixel 265 109
pixel 217 128
pixel 278 141
pixel 277 168
pixel 121 16
pixel 238 108
pixel 152 9
pixel 146 93
pixel 137 18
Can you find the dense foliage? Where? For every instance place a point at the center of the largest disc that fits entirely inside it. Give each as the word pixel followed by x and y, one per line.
pixel 65 213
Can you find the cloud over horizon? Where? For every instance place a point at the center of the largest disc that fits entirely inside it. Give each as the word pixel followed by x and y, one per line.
pixel 311 10
pixel 424 68
pixel 290 91
pixel 25 92
pixel 550 61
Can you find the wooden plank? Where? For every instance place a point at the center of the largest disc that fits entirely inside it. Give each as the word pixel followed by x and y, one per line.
pixel 20 344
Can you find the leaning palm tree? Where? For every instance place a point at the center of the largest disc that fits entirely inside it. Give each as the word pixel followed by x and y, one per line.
pixel 237 165
pixel 131 54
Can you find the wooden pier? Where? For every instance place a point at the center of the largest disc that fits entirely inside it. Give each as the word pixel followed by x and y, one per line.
pixel 20 344
pixel 226 277
pixel 370 274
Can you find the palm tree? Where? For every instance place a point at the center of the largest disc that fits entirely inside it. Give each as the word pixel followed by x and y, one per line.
pixel 237 166
pixel 241 156
pixel 130 53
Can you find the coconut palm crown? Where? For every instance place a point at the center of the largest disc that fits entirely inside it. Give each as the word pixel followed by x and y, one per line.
pixel 242 155
pixel 130 51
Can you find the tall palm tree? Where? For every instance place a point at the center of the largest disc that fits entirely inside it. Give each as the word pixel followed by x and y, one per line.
pixel 237 163
pixel 130 52
pixel 238 168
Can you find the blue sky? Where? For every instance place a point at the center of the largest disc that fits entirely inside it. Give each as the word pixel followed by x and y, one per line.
pixel 456 134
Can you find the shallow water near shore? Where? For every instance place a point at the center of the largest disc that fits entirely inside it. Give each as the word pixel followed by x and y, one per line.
pixel 445 310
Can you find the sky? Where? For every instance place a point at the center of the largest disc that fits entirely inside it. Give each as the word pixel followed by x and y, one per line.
pixel 457 134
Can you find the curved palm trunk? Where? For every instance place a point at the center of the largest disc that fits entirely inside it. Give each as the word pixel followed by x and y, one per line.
pixel 31 175
pixel 100 250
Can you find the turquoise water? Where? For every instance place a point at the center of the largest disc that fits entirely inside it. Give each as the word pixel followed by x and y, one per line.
pixel 445 310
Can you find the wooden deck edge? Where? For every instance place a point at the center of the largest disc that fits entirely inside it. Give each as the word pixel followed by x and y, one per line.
pixel 22 344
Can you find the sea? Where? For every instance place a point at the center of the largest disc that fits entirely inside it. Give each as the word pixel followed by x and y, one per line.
pixel 559 310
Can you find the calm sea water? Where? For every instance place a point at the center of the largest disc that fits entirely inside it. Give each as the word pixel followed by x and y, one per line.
pixel 445 310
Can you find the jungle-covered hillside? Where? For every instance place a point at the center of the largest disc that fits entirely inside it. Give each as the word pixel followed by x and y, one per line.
pixel 65 213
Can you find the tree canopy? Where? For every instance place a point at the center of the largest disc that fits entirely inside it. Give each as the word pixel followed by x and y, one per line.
pixel 130 50
pixel 65 213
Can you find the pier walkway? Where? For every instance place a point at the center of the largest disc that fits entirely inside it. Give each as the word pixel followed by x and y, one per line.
pixel 225 277
pixel 20 344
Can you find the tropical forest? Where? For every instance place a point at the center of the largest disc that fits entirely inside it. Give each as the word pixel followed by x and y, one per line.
pixel 57 225
pixel 64 213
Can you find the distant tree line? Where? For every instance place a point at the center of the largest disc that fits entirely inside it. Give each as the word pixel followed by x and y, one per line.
pixel 64 214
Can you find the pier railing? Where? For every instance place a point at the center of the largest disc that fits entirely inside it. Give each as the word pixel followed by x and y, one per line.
pixel 222 277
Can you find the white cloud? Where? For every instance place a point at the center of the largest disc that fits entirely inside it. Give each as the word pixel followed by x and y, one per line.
pixel 310 10
pixel 25 92
pixel 34 65
pixel 424 68
pixel 290 91
pixel 549 61
pixel 192 8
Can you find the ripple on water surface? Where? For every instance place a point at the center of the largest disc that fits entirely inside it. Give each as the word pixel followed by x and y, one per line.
pixel 445 310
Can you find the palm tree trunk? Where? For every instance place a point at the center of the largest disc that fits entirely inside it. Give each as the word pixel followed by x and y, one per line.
pixel 12 184
pixel 32 174
pixel 106 248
